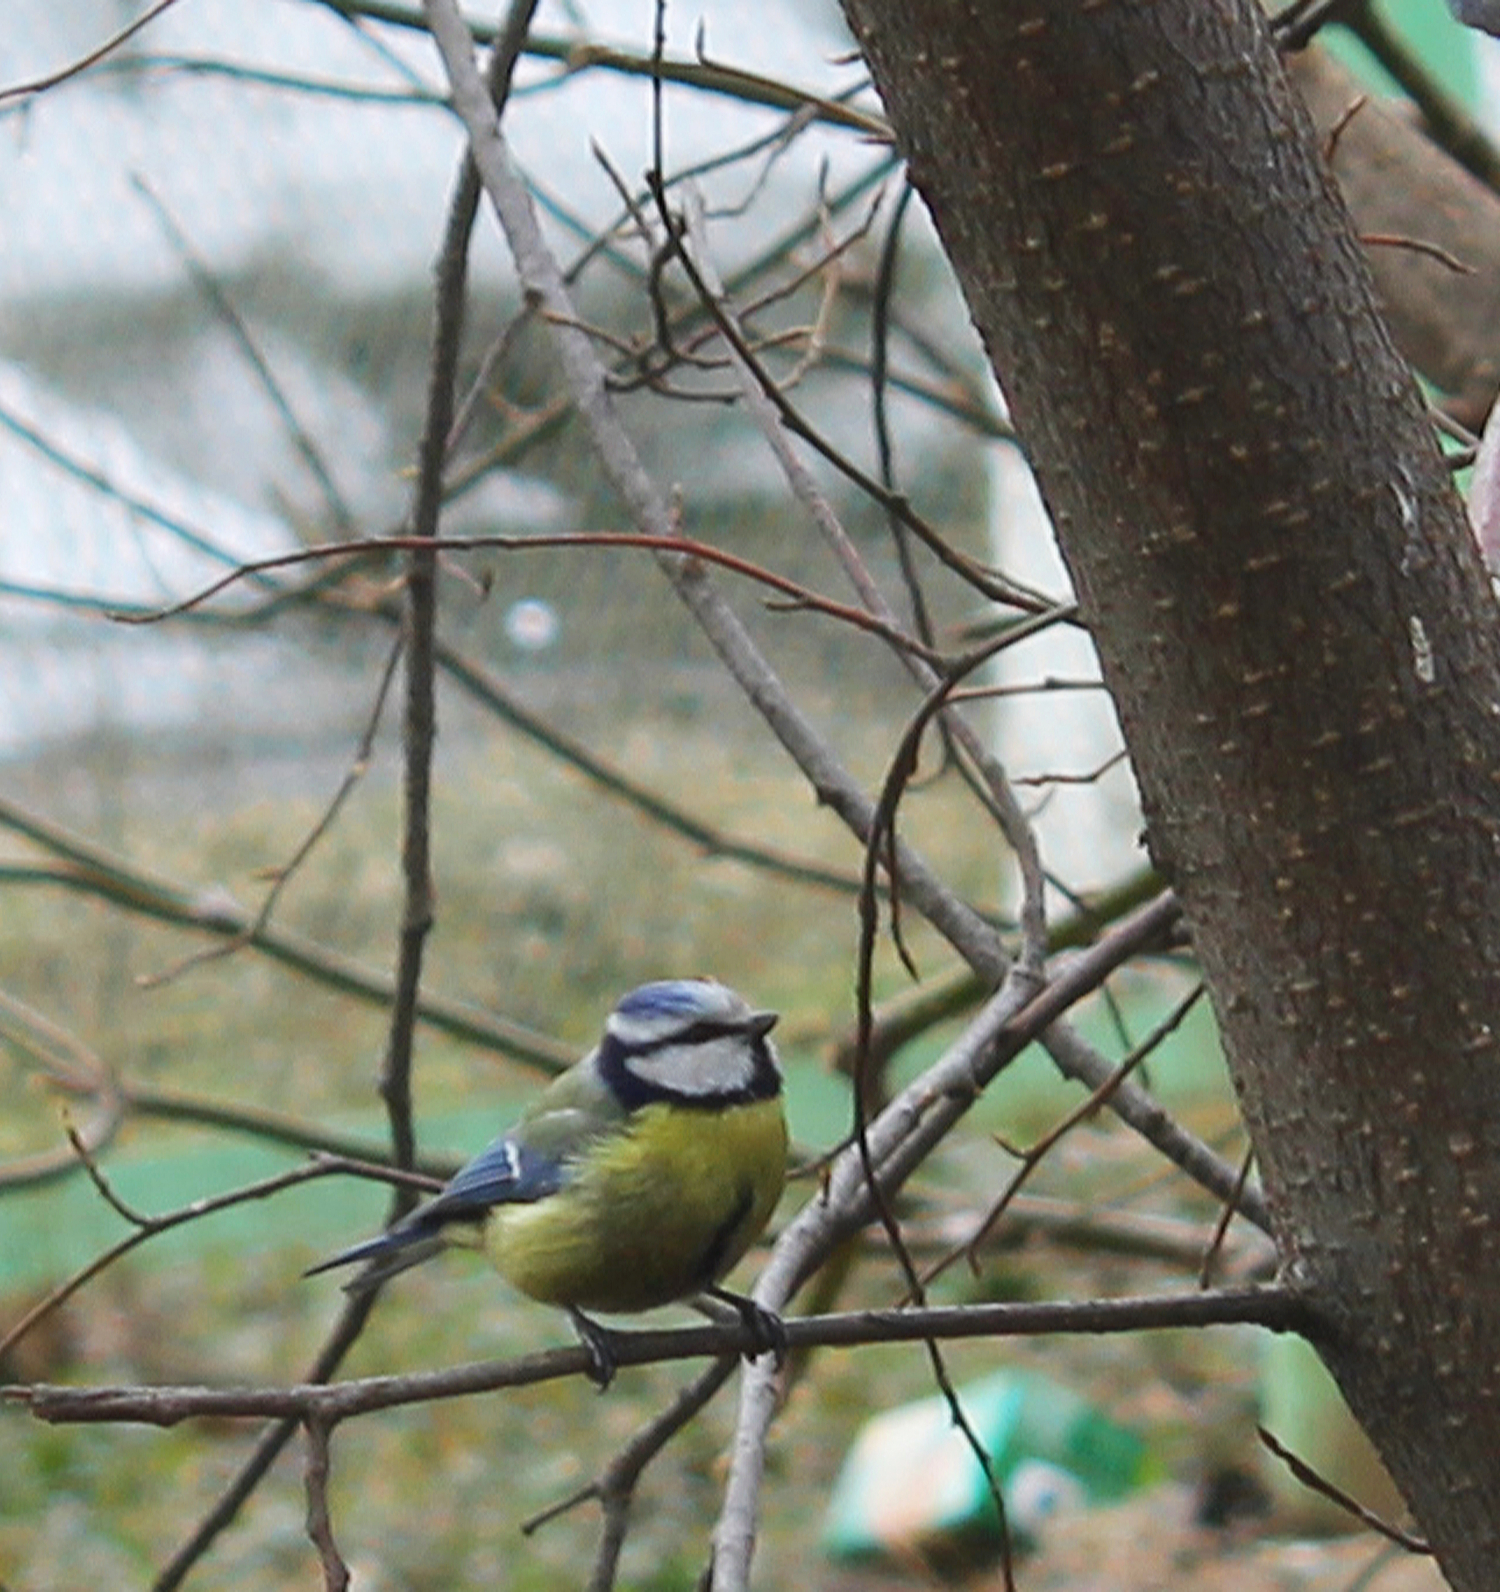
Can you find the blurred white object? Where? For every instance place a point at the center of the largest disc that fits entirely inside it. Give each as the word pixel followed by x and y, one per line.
pixel 532 625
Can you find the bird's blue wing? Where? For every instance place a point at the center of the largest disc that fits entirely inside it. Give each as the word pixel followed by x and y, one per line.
pixel 503 1173
pixel 530 1162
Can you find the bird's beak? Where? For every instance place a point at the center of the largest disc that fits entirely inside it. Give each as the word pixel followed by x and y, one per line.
pixel 760 1023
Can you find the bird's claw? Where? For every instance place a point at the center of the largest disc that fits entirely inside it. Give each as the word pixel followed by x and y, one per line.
pixel 767 1330
pixel 598 1344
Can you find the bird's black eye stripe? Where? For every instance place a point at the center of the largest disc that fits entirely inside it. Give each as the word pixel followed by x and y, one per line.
pixel 618 1063
pixel 700 1033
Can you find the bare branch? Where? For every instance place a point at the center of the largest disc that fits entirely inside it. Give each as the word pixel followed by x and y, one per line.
pixel 667 541
pixel 147 1227
pixel 40 85
pixel 615 1488
pixel 649 508
pixel 358 767
pixel 90 868
pixel 1033 1155
pixel 1320 1484
pixel 1274 1307
pixel 319 1526
pixel 897 1141
pixel 251 352
pixel 576 55
pixel 755 387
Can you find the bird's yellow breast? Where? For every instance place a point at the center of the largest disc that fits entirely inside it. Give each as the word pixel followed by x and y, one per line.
pixel 653 1213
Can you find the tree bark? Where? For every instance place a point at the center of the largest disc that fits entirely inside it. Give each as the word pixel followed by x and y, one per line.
pixel 1296 629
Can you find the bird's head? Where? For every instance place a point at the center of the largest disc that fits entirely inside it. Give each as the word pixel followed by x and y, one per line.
pixel 691 1041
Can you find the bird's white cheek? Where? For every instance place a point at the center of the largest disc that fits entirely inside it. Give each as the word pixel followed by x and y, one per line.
pixel 709 1067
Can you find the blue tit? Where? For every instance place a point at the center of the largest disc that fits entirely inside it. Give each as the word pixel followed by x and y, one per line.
pixel 638 1177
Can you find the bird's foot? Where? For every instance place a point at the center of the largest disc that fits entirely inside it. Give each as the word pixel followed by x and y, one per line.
pixel 767 1330
pixel 598 1344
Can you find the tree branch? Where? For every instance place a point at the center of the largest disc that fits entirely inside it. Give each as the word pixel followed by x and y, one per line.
pixel 1274 1306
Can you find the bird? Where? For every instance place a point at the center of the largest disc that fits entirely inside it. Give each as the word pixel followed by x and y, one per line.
pixel 636 1179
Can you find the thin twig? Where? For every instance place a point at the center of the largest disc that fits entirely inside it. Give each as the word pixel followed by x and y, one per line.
pixel 1320 1484
pixel 152 63
pixel 1433 251
pixel 70 1065
pixel 127 1213
pixel 650 511
pixel 268 1447
pixel 358 767
pixel 148 1227
pixel 40 85
pixel 319 1527
pixel 90 869
pixel 882 300
pixel 1091 1229
pixel 576 55
pixel 1221 1226
pixel 251 352
pixel 997 588
pixel 615 1488
pixel 755 386
pixel 1077 1059
pixel 486 688
pixel 651 541
pixel 1034 1154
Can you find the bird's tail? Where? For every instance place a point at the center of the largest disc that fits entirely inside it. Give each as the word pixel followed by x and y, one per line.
pixel 388 1254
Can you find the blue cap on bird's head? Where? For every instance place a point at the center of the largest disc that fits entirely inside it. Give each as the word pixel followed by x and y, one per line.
pixel 678 997
pixel 662 1010
pixel 669 1003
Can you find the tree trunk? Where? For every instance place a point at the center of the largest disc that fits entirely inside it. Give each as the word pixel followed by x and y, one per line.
pixel 1295 626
